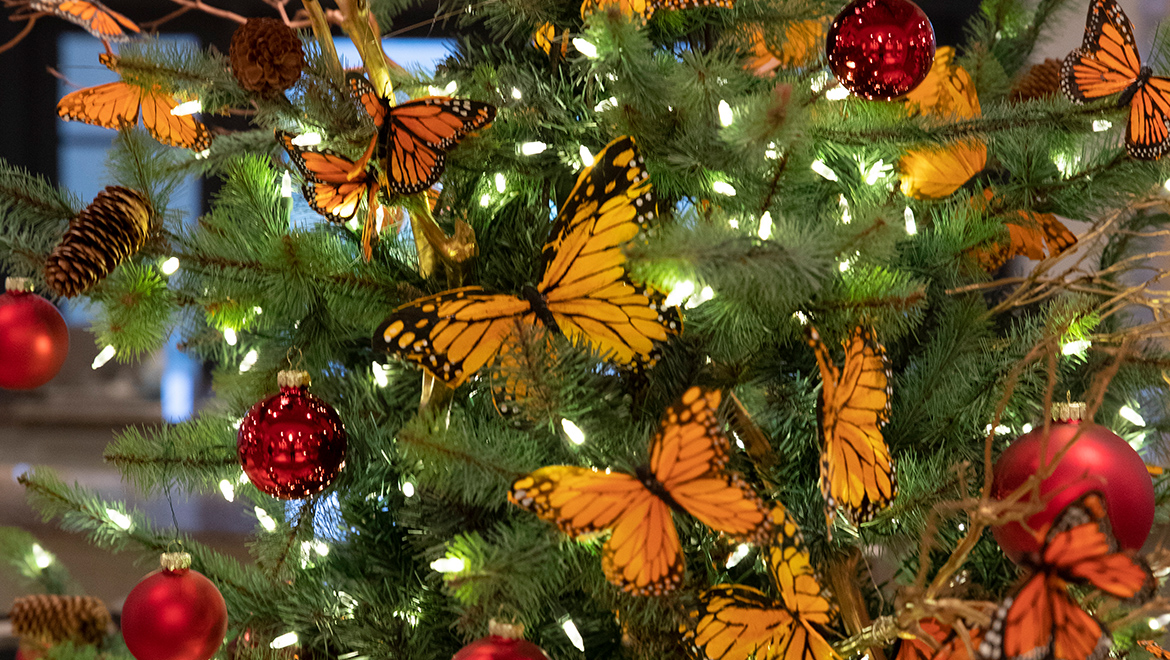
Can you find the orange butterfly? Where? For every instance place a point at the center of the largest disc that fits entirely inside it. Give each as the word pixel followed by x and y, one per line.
pixel 685 473
pixel 1041 620
pixel 1153 649
pixel 1107 63
pixel 857 473
pixel 414 137
pixel 118 104
pixel 1036 236
pixel 646 8
pixel 735 622
pixel 97 19
pixel 951 644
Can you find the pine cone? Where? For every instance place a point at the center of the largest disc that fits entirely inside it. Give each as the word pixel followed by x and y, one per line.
pixel 53 619
pixel 1038 82
pixel 266 56
pixel 103 235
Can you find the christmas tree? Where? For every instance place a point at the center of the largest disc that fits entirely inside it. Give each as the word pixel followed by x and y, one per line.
pixel 553 337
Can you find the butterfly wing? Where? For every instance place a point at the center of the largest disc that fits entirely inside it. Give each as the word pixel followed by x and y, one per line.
pixel 111 105
pixel 452 334
pixel 327 186
pixel 419 134
pixel 1147 136
pixel 1153 649
pixel 174 130
pixel 1042 621
pixel 734 622
pixel 856 470
pixel 584 280
pixel 96 18
pixel 687 457
pixel 1107 61
pixel 642 555
pixel 365 93
pixel 792 571
pixel 1080 547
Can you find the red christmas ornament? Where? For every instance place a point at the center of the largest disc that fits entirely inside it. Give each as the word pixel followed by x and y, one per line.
pixel 504 642
pixel 292 444
pixel 1099 460
pixel 33 338
pixel 880 49
pixel 174 614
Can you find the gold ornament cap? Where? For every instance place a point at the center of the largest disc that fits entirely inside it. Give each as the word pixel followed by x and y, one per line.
pixel 1072 411
pixel 505 630
pixel 22 284
pixel 175 561
pixel 293 378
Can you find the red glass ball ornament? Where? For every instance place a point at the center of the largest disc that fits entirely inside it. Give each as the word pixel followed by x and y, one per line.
pixel 33 338
pixel 504 643
pixel 174 613
pixel 1098 460
pixel 880 49
pixel 292 444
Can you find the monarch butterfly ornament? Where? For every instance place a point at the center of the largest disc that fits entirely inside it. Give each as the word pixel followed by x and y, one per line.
pixel 686 473
pixel 119 104
pixel 1041 619
pixel 94 17
pixel 733 622
pixel 1107 63
pixel 857 473
pixel 646 8
pixel 584 293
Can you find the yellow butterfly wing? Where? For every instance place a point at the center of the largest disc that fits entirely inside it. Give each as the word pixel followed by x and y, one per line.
pixel 585 284
pixel 111 105
pixel 687 458
pixel 857 473
pixel 735 622
pixel 452 334
pixel 642 555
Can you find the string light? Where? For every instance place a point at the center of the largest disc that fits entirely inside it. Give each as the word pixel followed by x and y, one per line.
pixel 229 335
pixel 266 520
pixel 41 557
pixel 188 108
pixel 381 374
pixel 586 157
pixel 846 216
pixel 120 519
pixel 741 551
pixel 679 293
pixel 838 93
pixel 725 116
pixel 1026 428
pixel 501 183
pixel 287 639
pixel 485 199
pixel 911 226
pixel 771 152
pixel 723 188
pixel 705 294
pixel 1100 125
pixel 585 47
pixel 408 489
pixel 608 103
pixel 170 266
pixel 450 89
pixel 249 361
pixel 765 230
pixel 532 148
pixel 516 93
pixel 573 634
pixel 573 432
pixel 103 357
pixel 447 565
pixel 819 167
pixel 1076 347
pixel 1131 416
pixel 228 490
pixel 310 139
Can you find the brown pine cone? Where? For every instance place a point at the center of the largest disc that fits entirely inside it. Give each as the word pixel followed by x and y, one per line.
pixel 266 56
pixel 53 619
pixel 103 235
pixel 1041 81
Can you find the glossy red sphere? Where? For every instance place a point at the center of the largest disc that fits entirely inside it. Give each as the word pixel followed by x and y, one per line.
pixel 1098 460
pixel 177 615
pixel 292 444
pixel 495 647
pixel 880 49
pixel 33 341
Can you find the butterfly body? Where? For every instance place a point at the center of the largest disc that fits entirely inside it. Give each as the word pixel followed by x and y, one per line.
pixel 685 473
pixel 1108 63
pixel 584 292
pixel 1041 619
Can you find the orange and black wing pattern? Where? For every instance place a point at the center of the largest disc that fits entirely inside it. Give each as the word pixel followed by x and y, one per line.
pixel 1041 619
pixel 1108 63
pixel 736 622
pixel 1036 236
pixel 1153 649
pixel 646 8
pixel 327 185
pixel 119 104
pixel 96 18
pixel 857 473
pixel 643 555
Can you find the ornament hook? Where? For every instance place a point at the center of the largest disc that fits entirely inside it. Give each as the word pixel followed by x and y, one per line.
pixel 288 356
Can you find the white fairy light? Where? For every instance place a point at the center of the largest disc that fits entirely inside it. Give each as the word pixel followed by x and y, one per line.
pixel 911 226
pixel 1076 347
pixel 532 148
pixel 1100 125
pixel 705 294
pixel 1026 428
pixel 408 489
pixel 723 188
pixel 516 93
pixel 485 199
pixel 741 552
pixel 838 93
pixel 771 152
pixel 573 634
pixel 501 182
pixel 188 108
pixel 169 266
pixel 573 432
pixel 875 172
pixel 266 520
pixel 584 47
pixel 103 356
pixel 608 103
pixel 845 265
pixel 819 167
pixel 381 374
pixel 1131 416
pixel 229 335
pixel 249 361
pixel 287 639
pixel 228 490
pixel 41 557
pixel 447 565
pixel 120 519
pixel 765 230
pixel 725 115
pixel 586 156
pixel 846 216
pixel 310 139
pixel 679 293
